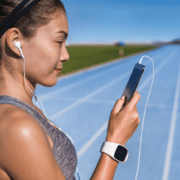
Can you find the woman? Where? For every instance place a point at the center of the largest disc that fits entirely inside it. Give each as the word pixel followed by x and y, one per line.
pixel 30 146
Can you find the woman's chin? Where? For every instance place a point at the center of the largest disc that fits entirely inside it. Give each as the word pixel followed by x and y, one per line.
pixel 50 83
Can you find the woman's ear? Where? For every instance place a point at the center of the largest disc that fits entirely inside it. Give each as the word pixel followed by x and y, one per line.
pixel 12 36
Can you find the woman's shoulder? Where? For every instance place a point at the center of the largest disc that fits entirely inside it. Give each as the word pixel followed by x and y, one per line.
pixel 13 116
pixel 18 123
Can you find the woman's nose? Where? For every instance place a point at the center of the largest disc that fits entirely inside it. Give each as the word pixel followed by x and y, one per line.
pixel 64 54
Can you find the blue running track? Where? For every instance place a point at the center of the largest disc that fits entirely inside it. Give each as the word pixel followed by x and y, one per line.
pixel 80 105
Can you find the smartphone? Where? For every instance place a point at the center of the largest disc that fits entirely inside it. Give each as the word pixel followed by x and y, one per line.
pixel 133 82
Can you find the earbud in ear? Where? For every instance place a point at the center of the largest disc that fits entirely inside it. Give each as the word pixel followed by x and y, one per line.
pixel 18 45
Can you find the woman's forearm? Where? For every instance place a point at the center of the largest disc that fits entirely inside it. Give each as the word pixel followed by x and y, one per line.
pixel 105 168
pixel 122 125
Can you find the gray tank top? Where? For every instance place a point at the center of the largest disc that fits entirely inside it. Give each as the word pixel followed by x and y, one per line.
pixel 63 150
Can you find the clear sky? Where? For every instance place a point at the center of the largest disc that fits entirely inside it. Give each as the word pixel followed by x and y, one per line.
pixel 108 21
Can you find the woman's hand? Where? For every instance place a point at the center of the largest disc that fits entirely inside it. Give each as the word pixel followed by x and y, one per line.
pixel 123 123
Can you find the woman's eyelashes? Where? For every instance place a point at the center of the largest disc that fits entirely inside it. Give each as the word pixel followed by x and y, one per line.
pixel 60 43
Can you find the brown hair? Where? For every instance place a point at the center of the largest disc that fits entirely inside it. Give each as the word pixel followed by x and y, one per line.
pixel 40 14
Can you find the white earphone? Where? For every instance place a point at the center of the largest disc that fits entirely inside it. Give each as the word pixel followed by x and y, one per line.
pixel 18 45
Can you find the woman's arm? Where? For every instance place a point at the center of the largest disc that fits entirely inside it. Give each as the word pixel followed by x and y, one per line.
pixel 105 168
pixel 122 125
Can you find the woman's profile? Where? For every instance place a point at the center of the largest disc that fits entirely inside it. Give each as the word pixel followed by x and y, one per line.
pixel 31 147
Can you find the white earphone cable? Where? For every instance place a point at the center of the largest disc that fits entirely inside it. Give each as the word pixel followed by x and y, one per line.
pixel 143 117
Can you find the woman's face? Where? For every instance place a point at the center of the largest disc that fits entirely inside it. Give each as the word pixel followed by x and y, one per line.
pixel 46 51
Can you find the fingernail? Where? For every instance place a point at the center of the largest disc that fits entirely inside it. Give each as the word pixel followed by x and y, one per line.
pixel 122 97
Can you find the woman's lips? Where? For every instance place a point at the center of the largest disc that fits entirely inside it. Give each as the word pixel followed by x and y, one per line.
pixel 58 71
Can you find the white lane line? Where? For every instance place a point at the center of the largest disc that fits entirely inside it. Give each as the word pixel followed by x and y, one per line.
pixel 90 142
pixel 87 145
pixel 86 98
pixel 172 131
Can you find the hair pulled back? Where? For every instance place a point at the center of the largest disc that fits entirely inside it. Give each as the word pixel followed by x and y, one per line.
pixel 40 14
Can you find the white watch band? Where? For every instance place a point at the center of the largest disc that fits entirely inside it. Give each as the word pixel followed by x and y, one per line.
pixel 110 148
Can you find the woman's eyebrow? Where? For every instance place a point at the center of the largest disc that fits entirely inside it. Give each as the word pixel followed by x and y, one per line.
pixel 65 34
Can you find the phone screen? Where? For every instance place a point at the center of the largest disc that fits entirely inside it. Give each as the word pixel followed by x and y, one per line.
pixel 133 82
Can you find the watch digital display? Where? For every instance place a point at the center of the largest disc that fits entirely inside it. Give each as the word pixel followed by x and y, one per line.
pixel 120 153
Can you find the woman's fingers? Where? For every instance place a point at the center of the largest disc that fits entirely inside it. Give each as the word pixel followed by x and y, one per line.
pixel 123 123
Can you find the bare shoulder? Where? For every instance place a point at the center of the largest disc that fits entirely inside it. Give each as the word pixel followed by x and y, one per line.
pixel 17 128
pixel 20 122
pixel 24 142
pixel 16 120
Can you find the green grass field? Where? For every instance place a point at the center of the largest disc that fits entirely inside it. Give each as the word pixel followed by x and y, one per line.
pixel 87 56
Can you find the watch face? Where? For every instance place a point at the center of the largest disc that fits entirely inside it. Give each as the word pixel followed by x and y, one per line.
pixel 120 153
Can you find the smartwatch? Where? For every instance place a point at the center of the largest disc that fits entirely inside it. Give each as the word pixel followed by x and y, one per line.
pixel 116 151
